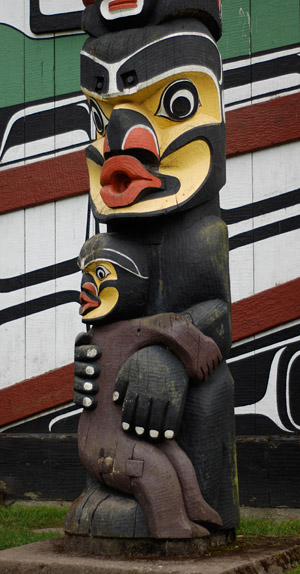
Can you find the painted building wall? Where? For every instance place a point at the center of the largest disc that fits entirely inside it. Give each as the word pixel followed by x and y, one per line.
pixel 45 126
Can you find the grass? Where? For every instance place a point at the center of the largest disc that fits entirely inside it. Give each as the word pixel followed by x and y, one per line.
pixel 17 524
pixel 256 527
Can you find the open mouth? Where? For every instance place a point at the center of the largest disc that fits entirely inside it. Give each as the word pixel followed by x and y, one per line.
pixel 88 298
pixel 124 179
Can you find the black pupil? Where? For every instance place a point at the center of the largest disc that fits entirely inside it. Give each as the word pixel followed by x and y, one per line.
pixel 181 106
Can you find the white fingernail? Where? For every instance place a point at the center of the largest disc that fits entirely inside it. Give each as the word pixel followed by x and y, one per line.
pixel 139 430
pixel 87 402
pixel 116 396
pixel 87 386
pixel 169 434
pixel 125 426
pixel 89 370
pixel 154 433
pixel 91 353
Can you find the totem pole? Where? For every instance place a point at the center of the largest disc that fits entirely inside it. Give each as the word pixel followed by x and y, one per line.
pixel 157 429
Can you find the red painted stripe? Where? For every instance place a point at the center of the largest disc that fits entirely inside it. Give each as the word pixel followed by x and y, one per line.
pixel 265 310
pixel 44 181
pixel 263 125
pixel 256 314
pixel 36 395
pixel 248 129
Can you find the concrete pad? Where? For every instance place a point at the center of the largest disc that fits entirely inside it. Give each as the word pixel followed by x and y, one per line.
pixel 49 557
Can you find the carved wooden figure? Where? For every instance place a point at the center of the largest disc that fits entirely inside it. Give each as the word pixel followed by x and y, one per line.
pixel 152 74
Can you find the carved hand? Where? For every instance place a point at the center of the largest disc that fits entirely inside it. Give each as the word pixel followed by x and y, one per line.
pixel 86 371
pixel 152 387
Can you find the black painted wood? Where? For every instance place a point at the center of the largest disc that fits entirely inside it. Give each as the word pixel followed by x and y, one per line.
pixel 47 467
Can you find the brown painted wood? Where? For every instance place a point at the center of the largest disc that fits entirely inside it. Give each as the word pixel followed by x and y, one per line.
pixel 161 477
pixel 248 129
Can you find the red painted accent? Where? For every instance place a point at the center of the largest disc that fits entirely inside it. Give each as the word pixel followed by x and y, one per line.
pixel 141 138
pixel 255 314
pixel 122 4
pixel 248 129
pixel 106 147
pixel 88 2
pixel 263 125
pixel 43 181
pixel 36 395
pixel 265 310
pixel 85 301
pixel 123 179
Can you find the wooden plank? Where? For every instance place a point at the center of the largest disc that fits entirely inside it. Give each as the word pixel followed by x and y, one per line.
pixel 274 24
pixel 268 469
pixel 12 231
pixel 36 395
pixel 235 40
pixel 248 129
pixel 39 249
pixel 259 313
pixel 53 470
pixel 263 125
pixel 45 181
pixel 265 310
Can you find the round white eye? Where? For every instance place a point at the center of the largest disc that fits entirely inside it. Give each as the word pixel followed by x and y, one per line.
pixel 102 272
pixel 99 118
pixel 179 101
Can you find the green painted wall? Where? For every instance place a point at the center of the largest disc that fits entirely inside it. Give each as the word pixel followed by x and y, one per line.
pixel 34 69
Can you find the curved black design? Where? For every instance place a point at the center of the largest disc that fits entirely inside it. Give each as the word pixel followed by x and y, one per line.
pixel 38 305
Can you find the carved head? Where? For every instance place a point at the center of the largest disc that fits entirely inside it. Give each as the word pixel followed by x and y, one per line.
pixel 114 282
pixel 156 98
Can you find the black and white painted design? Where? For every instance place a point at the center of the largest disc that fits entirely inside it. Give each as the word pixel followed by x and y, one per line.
pixel 266 369
pixel 64 124
pixel 40 19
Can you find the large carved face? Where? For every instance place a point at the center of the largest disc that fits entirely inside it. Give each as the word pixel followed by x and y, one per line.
pixel 157 106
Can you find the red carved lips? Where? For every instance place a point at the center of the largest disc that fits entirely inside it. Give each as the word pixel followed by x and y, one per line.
pixel 123 179
pixel 88 298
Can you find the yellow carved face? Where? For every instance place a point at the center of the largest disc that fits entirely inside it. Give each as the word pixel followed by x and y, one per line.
pixel 154 149
pixel 98 300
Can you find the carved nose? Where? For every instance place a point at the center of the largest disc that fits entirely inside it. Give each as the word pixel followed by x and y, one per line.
pixel 131 133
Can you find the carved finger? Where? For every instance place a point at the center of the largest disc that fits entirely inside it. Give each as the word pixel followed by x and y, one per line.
pixel 142 413
pixel 87 353
pixel 157 414
pixel 171 421
pixel 84 401
pixel 87 370
pixel 82 386
pixel 84 338
pixel 120 390
pixel 128 411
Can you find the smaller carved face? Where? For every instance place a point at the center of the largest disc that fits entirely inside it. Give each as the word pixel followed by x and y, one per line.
pixel 112 286
pixel 97 297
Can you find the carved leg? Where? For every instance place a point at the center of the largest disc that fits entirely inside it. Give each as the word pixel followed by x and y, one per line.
pixel 159 493
pixel 197 509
